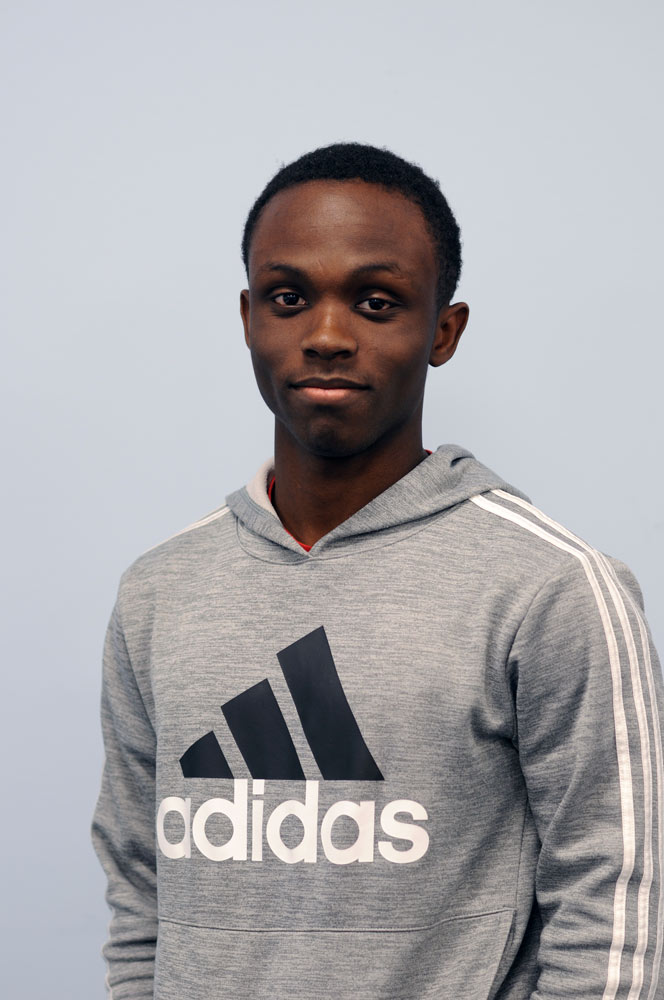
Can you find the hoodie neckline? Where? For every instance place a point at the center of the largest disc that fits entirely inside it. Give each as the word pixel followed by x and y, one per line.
pixel 448 476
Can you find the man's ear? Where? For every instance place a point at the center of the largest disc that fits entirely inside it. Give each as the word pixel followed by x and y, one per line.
pixel 244 312
pixel 450 325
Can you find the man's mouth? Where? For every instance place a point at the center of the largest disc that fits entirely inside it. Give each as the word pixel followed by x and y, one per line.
pixel 328 390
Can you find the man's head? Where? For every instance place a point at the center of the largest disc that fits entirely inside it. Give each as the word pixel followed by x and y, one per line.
pixel 345 278
pixel 357 161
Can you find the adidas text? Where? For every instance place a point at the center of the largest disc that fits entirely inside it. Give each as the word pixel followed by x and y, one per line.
pixel 246 841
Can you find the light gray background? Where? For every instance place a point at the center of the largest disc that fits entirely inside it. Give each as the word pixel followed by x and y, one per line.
pixel 136 137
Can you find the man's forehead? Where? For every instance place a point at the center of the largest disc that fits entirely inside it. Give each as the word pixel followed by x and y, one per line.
pixel 369 267
pixel 368 223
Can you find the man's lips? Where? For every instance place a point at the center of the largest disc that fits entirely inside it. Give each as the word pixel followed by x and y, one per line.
pixel 328 390
pixel 327 383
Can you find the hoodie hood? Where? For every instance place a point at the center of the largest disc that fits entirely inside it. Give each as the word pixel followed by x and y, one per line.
pixel 447 477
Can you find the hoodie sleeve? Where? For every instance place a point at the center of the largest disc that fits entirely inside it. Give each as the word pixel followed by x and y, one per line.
pixel 589 711
pixel 123 825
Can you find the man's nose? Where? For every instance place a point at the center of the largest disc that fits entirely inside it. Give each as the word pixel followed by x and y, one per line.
pixel 330 332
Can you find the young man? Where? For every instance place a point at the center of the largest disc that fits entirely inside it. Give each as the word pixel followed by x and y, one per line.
pixel 378 727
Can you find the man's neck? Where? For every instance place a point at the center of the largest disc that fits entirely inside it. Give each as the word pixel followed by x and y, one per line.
pixel 313 494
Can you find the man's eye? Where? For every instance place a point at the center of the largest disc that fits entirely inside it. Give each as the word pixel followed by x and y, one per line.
pixel 376 305
pixel 289 299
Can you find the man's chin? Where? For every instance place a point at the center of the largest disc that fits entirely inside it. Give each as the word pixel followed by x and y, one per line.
pixel 325 438
pixel 329 443
pixel 333 450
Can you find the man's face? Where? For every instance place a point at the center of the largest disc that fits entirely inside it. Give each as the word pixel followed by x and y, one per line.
pixel 343 279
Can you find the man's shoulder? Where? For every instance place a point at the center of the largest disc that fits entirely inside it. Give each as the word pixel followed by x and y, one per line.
pixel 532 545
pixel 187 549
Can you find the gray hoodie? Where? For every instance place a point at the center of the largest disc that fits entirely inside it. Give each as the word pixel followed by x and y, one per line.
pixel 422 760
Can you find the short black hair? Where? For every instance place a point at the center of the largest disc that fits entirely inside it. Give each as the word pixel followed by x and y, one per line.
pixel 344 161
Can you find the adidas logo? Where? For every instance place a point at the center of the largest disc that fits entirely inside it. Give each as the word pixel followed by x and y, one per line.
pixel 261 733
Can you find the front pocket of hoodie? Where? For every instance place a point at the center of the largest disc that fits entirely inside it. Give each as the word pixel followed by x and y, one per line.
pixel 456 958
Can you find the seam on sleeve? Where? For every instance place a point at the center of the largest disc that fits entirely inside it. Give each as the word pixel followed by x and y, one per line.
pixel 120 628
pixel 550 581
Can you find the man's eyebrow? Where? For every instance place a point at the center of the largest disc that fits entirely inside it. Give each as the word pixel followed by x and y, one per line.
pixel 383 265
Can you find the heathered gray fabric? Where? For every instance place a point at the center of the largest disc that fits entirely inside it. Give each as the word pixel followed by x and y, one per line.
pixel 504 682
